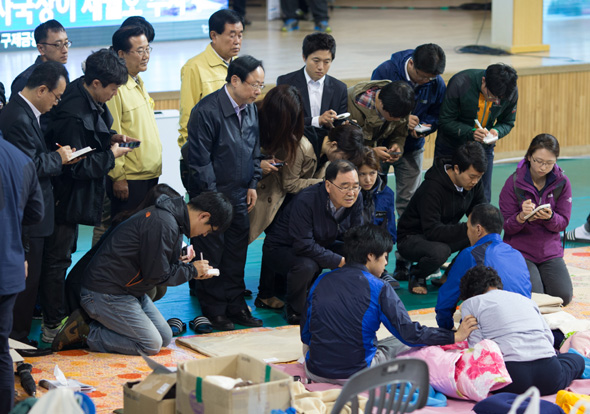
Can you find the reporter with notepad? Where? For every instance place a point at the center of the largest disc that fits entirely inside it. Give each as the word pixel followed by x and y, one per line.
pixel 539 180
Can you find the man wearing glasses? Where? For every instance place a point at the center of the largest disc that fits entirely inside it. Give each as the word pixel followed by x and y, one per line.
pixel 307 234
pixel 133 115
pixel 53 46
pixel 20 125
pixel 224 156
pixel 480 105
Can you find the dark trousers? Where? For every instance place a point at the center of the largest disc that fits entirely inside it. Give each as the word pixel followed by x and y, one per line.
pixel 429 255
pixel 319 9
pixel 223 294
pixel 24 306
pixel 549 375
pixel 57 259
pixel 137 192
pixel 6 367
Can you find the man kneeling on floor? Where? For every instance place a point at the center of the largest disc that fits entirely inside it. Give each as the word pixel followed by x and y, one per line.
pixel 142 252
pixel 346 307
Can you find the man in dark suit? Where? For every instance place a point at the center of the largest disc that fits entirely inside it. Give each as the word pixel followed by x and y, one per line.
pixel 324 97
pixel 20 125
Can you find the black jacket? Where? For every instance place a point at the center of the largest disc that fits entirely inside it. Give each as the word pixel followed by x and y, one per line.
pixel 308 225
pixel 334 96
pixel 223 155
pixel 20 127
pixel 143 252
pixel 437 207
pixel 78 121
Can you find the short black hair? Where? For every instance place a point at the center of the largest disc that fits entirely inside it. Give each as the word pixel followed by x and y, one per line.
pixel 501 80
pixel 470 154
pixel 337 167
pixel 218 20
pixel 363 240
pixel 487 216
pixel 41 30
pixel 121 37
pixel 350 142
pixel 105 66
pixel 242 67
pixel 216 204
pixel 477 280
pixel 48 74
pixel 318 41
pixel 140 21
pixel 430 59
pixel 397 98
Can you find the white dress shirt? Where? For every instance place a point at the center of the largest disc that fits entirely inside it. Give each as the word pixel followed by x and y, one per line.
pixel 315 89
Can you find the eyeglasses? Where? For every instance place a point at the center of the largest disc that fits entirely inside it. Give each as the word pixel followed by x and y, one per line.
pixel 142 51
pixel 354 188
pixel 424 76
pixel 58 45
pixel 56 98
pixel 256 86
pixel 544 163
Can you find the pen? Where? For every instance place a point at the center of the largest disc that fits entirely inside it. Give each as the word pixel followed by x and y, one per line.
pixel 201 256
pixel 478 124
pixel 58 145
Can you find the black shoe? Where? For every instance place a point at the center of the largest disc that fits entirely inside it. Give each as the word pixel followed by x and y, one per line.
pixel 247 292
pixel 221 323
pixel 73 334
pixel 273 303
pixel 292 317
pixel 402 270
pixel 244 317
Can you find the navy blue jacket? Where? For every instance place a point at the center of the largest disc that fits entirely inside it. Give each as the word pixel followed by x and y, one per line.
pixel 429 97
pixel 223 155
pixel 491 251
pixel 21 203
pixel 309 227
pixel 20 127
pixel 345 308
pixel 379 206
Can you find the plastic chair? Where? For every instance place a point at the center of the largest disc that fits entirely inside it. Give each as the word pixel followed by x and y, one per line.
pixel 400 375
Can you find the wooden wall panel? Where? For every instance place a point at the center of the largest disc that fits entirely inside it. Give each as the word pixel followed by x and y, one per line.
pixel 555 103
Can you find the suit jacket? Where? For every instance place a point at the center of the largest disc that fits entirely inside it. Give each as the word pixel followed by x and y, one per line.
pixel 20 128
pixel 334 95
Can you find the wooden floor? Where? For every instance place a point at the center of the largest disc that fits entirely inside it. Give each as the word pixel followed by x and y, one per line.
pixel 365 37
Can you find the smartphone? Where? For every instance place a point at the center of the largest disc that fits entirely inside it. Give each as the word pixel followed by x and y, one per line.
pixel 421 129
pixel 184 251
pixel 395 153
pixel 277 164
pixel 132 144
pixel 343 116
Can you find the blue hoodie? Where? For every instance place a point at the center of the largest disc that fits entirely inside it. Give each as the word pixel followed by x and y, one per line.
pixel 429 96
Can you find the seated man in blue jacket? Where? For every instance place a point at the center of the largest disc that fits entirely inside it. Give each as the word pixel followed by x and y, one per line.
pixel 139 254
pixel 346 307
pixel 303 239
pixel 484 226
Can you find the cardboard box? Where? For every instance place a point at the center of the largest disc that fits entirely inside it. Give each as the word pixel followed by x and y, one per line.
pixel 271 389
pixel 156 394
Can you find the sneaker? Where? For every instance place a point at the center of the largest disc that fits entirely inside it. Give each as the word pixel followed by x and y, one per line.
pixel 290 25
pixel 323 27
pixel 73 333
pixel 579 235
pixel 386 277
pixel 48 332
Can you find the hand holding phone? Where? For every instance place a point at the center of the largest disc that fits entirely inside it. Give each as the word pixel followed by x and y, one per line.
pixel 343 116
pixel 131 144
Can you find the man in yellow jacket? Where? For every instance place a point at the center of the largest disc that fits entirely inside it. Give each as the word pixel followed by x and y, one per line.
pixel 133 115
pixel 206 72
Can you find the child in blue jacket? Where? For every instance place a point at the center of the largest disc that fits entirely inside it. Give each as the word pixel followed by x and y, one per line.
pixel 378 199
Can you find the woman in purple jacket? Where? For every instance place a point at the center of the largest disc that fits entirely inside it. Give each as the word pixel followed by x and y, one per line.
pixel 538 180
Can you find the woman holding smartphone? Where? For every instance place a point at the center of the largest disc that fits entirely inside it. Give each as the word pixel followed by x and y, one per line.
pixel 538 180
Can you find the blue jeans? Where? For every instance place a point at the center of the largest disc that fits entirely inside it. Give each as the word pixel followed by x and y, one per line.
pixel 124 324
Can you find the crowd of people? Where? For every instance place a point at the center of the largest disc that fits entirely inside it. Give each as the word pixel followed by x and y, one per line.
pixel 288 165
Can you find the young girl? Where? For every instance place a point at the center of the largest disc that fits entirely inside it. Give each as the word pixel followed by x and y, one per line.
pixel 378 199
pixel 538 180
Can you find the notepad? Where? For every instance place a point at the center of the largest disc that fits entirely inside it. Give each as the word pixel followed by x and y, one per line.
pixel 81 152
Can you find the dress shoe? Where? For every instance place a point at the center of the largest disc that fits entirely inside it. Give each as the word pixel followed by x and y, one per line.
pixel 221 323
pixel 247 292
pixel 273 303
pixel 292 317
pixel 244 317
pixel 402 270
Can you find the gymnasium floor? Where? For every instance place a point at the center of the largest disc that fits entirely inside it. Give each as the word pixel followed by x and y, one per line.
pixel 177 302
